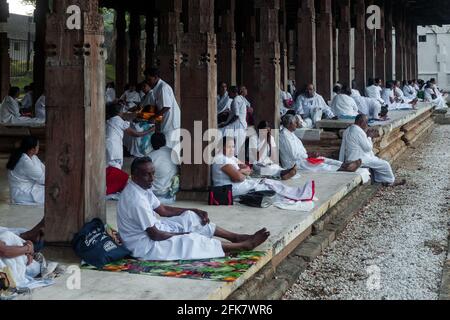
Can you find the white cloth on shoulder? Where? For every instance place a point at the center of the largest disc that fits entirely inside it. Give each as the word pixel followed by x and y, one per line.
pixel 115 128
pixel 344 106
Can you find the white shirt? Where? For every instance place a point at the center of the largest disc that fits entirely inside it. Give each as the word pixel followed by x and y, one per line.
pixel 261 145
pixel 135 214
pixel 410 92
pixel 40 108
pixel 239 109
pixel 284 96
pixel 9 110
pixel 110 95
pixel 26 181
pixel 115 128
pixel 27 100
pixel 356 145
pixel 387 94
pixel 165 170
pixel 220 178
pixel 374 92
pixel 305 106
pixel 132 98
pixel 223 103
pixel 291 149
pixel 165 98
pixel 344 106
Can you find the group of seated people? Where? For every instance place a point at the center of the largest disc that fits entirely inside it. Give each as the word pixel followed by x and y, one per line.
pixel 15 111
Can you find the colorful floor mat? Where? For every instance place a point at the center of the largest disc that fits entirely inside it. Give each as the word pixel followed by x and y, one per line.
pixel 227 269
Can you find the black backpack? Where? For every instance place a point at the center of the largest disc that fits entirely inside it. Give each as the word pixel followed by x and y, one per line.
pixel 258 199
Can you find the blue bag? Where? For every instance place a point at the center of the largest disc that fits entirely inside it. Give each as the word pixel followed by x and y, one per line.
pixel 96 247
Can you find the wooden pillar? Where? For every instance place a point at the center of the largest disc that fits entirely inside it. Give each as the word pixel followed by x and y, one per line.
pixel 370 50
pixel 306 37
pixel 150 39
pixel 415 55
pixel 284 61
pixel 324 49
pixel 40 15
pixel 168 50
pixel 411 51
pixel 226 42
pixel 380 58
pixel 135 55
pixel 199 68
pixel 388 40
pixel 4 50
pixel 75 159
pixel 360 45
pixel 121 51
pixel 267 62
pixel 248 47
pixel 398 43
pixel 335 52
pixel 344 43
pixel 405 48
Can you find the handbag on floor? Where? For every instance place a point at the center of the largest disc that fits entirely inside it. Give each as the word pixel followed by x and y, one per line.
pixel 258 199
pixel 221 196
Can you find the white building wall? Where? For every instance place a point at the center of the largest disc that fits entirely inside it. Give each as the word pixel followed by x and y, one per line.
pixel 434 58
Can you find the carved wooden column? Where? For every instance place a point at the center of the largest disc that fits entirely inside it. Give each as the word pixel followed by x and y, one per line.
pixel 284 61
pixel 398 42
pixel 199 95
pixel 40 15
pixel 121 51
pixel 267 62
pixel 324 44
pixel 306 37
pixel 360 45
pixel 4 50
pixel 75 159
pixel 248 46
pixel 388 40
pixel 380 58
pixel 370 50
pixel 135 55
pixel 344 43
pixel 168 50
pixel 150 38
pixel 415 54
pixel 226 42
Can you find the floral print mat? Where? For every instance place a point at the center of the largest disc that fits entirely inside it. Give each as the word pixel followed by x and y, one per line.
pixel 227 269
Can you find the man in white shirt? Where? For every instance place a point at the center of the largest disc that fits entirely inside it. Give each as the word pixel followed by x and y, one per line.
pixel 312 107
pixel 110 93
pixel 167 107
pixel 286 102
pixel 393 101
pixel 343 105
pixel 368 106
pixel 374 90
pixel 39 107
pixel 10 113
pixel 357 144
pixel 131 98
pixel 180 234
pixel 27 100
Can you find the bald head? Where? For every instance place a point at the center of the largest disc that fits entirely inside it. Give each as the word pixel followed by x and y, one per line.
pixel 362 121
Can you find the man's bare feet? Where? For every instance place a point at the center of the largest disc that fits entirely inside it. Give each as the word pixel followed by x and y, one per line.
pixel 351 166
pixel 397 183
pixel 257 239
pixel 289 174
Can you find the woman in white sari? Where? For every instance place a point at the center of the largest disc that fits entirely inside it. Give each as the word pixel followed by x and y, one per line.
pixel 26 174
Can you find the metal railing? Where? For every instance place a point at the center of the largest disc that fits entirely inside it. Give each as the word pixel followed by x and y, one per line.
pixel 21 54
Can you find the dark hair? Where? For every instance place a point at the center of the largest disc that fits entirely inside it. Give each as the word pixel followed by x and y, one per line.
pixel 377 80
pixel 359 117
pixel 112 110
pixel 233 89
pixel 346 90
pixel 158 140
pixel 13 91
pixel 26 145
pixel 390 84
pixel 110 85
pixel 138 162
pixel 263 124
pixel 152 72
pixel 338 88
pixel 225 139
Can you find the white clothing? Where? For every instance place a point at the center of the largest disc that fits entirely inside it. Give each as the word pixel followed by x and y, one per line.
pixel 344 106
pixel 264 165
pixel 132 98
pixel 40 108
pixel 368 106
pixel 110 95
pixel 27 100
pixel 409 92
pixel 388 95
pixel 165 170
pixel 115 128
pixel 285 96
pixel 27 181
pixel 223 103
pixel 171 123
pixel 399 94
pixel 313 108
pixel 374 92
pixel 9 113
pixel 136 213
pixel 238 128
pixel 357 145
pixel 438 101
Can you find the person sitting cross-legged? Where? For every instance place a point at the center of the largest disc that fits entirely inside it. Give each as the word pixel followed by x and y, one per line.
pixel 180 234
pixel 357 144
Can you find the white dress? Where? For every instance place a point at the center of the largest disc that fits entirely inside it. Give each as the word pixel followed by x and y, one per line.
pixel 132 98
pixel 223 103
pixel 238 128
pixel 357 145
pixel 115 128
pixel 135 214
pixel 110 95
pixel 374 92
pixel 9 113
pixel 165 169
pixel 409 92
pixel 438 101
pixel 264 166
pixel 344 106
pixel 312 109
pixel 368 106
pixel 165 98
pixel 27 181
pixel 387 95
pixel 40 108
pixel 284 96
pixel 27 100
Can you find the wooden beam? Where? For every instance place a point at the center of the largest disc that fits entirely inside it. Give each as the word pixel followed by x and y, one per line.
pixel 121 51
pixel 324 44
pixel 135 55
pixel 306 37
pixel 4 50
pixel 360 45
pixel 226 42
pixel 75 185
pixel 344 43
pixel 380 57
pixel 40 15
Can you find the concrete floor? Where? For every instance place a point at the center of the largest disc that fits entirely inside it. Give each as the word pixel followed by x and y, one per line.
pixel 284 226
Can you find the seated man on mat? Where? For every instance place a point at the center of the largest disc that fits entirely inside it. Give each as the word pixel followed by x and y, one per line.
pixel 357 144
pixel 181 234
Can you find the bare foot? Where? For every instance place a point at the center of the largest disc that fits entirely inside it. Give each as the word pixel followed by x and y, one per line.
pixel 289 174
pixel 351 166
pixel 242 238
pixel 396 183
pixel 257 239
